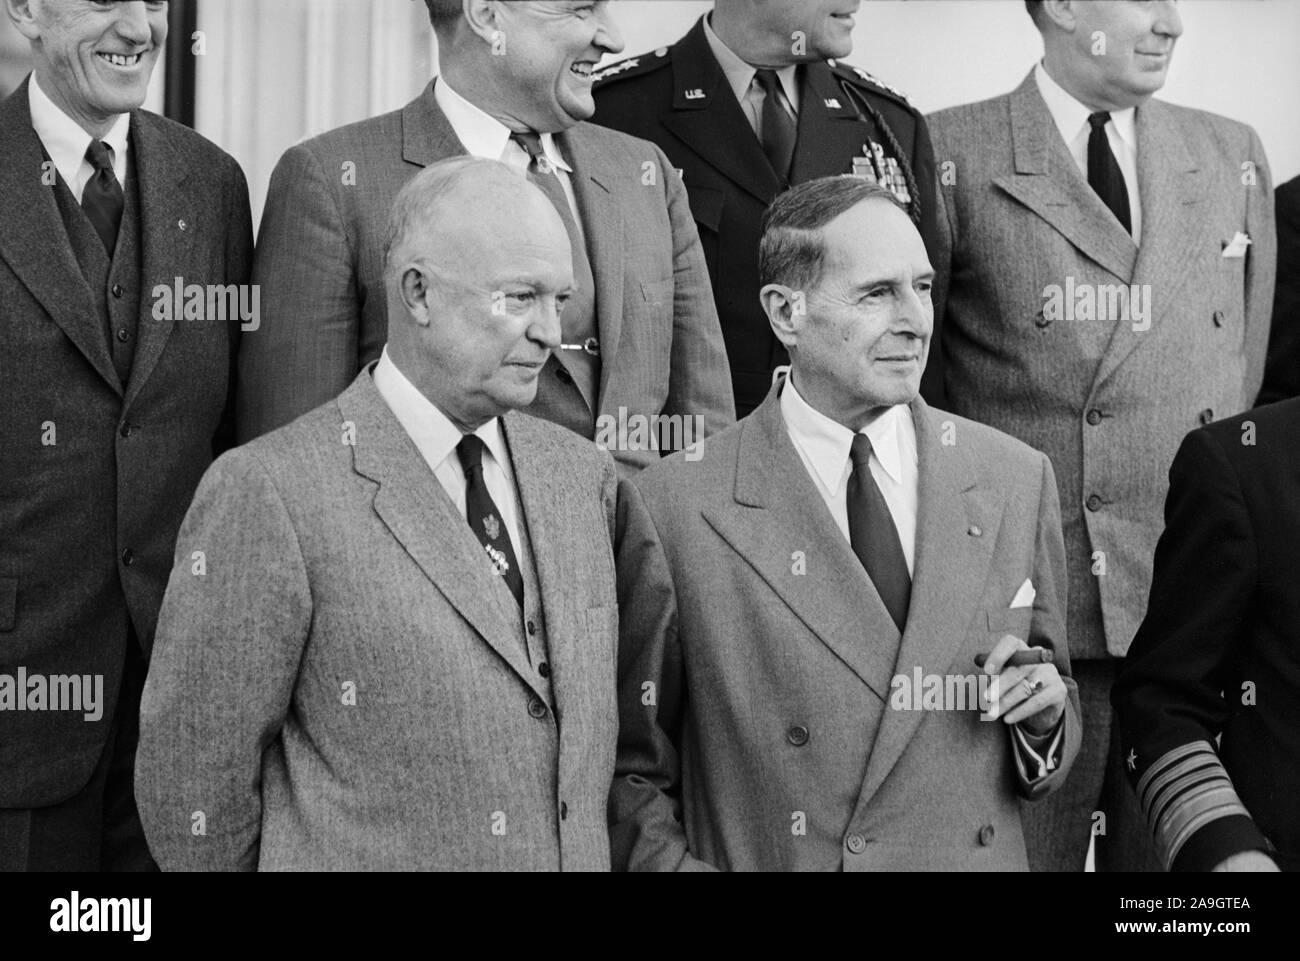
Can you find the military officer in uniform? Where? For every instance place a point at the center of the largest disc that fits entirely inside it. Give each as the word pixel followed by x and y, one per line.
pixel 747 104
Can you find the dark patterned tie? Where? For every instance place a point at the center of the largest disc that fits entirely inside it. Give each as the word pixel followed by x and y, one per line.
pixel 874 536
pixel 484 518
pixel 102 200
pixel 1104 175
pixel 778 127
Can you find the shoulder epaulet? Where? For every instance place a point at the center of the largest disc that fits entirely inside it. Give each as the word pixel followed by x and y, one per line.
pixel 860 78
pixel 634 66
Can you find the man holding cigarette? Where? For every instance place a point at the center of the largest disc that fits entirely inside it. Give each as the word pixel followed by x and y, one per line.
pixel 863 539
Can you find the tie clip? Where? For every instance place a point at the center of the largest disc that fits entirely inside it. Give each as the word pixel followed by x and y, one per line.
pixel 589 346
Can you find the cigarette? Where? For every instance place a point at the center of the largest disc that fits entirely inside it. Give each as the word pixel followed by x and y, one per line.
pixel 1035 655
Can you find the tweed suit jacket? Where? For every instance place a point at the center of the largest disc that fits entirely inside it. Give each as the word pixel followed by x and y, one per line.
pixel 756 661
pixel 95 475
pixel 1107 400
pixel 320 264
pixel 331 564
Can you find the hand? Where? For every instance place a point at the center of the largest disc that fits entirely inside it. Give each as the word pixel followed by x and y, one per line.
pixel 1040 711
pixel 1247 861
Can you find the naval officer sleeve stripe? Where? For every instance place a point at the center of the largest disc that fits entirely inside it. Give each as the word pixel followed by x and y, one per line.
pixel 1184 790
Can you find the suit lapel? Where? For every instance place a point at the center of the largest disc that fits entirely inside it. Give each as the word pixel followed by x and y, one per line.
pixel 829 129
pixel 779 511
pixel 957 525
pixel 34 240
pixel 602 223
pixel 1047 181
pixel 541 477
pixel 427 136
pixel 419 514
pixel 707 118
pixel 169 222
pixel 1171 188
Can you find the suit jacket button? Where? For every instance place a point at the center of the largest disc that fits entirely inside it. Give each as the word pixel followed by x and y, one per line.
pixel 536 708
pixel 125 430
pixel 1094 502
pixel 532 628
pixel 797 735
pixel 544 669
pixel 564 811
pixel 1206 416
pixel 128 557
pixel 1094 417
pixel 986 835
pixel 564 375
pixel 117 291
pixel 1218 318
pixel 856 843
pixel 1040 321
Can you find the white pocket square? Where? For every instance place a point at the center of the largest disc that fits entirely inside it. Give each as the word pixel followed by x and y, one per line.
pixel 1025 596
pixel 1236 247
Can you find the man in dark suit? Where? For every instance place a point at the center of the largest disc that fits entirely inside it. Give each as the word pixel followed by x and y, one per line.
pixel 748 103
pixel 1110 262
pixel 1282 369
pixel 787 601
pixel 641 339
pixel 113 405
pixel 401 655
pixel 1208 701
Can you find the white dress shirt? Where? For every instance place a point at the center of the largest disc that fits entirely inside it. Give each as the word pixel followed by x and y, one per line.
pixel 483 135
pixel 436 437
pixel 823 445
pixel 1121 132
pixel 66 142
pixel 741 78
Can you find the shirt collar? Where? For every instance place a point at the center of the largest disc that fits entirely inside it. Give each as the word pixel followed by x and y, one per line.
pixel 482 134
pixel 827 442
pixel 740 75
pixel 1071 116
pixel 65 141
pixel 435 436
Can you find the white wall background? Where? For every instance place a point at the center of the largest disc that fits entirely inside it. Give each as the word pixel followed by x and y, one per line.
pixel 277 72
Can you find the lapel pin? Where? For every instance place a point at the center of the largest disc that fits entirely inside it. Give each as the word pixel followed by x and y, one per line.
pixel 974 531
pixel 182 224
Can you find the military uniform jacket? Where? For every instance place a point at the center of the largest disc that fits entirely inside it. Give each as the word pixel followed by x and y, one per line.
pixel 678 97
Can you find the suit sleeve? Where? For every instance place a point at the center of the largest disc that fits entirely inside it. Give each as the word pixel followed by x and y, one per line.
pixel 230 636
pixel 700 379
pixel 1047 629
pixel 238 270
pixel 305 351
pixel 1261 271
pixel 1282 375
pixel 1169 696
pixel 646 832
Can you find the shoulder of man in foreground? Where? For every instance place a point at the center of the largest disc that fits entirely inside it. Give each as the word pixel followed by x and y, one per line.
pixel 190 150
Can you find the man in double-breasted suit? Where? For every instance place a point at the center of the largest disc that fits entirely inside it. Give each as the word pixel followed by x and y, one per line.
pixel 753 100
pixel 1110 261
pixel 641 337
pixel 802 608
pixel 389 637
pixel 114 401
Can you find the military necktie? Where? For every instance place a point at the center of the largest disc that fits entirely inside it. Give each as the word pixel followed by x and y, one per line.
pixel 1104 175
pixel 779 131
pixel 102 200
pixel 874 536
pixel 484 518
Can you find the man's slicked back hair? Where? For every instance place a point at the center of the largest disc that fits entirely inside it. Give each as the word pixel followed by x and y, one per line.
pixel 791 251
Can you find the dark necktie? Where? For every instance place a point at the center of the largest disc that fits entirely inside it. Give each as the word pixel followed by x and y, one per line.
pixel 102 200
pixel 1104 175
pixel 484 518
pixel 778 127
pixel 874 536
pixel 578 322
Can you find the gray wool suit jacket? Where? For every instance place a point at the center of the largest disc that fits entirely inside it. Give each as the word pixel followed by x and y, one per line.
pixel 1108 401
pixel 335 562
pixel 96 475
pixel 756 660
pixel 320 266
